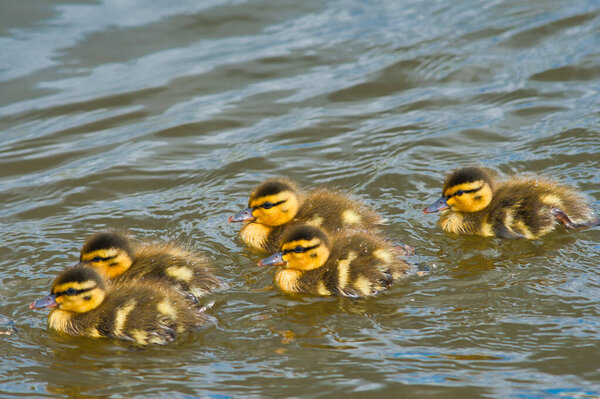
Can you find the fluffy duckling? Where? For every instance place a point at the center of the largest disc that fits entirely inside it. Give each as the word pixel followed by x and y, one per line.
pixel 118 257
pixel 143 312
pixel 349 263
pixel 277 203
pixel 475 203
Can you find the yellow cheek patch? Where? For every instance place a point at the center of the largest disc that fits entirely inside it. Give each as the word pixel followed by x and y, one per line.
pixel 165 308
pixel 255 234
pixel 114 267
pixel 279 214
pixel 287 279
pixel 180 273
pixel 259 214
pixel 344 269
pixel 305 260
pixel 121 316
pixel 287 258
pixel 469 201
pixel 351 217
pixel 383 255
pixel 81 305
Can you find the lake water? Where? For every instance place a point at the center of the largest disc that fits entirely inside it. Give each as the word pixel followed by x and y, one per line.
pixel 160 118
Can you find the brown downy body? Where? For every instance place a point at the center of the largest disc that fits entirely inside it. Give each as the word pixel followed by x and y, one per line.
pixel 475 203
pixel 143 312
pixel 277 204
pixel 120 258
pixel 348 263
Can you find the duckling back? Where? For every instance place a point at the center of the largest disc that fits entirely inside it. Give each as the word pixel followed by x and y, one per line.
pixel 521 207
pixel 334 211
pixel 120 258
pixel 360 264
pixel 173 265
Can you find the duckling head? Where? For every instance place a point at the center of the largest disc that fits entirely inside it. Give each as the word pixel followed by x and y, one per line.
pixel 302 248
pixel 273 203
pixel 467 189
pixel 109 252
pixel 78 289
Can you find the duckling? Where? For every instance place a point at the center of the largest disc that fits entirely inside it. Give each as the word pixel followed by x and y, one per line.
pixel 349 263
pixel 277 203
pixel 118 257
pixel 475 203
pixel 146 312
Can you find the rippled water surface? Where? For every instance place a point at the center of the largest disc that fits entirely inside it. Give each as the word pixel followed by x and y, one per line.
pixel 160 118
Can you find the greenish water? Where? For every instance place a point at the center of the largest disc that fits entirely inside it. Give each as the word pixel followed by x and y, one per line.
pixel 161 118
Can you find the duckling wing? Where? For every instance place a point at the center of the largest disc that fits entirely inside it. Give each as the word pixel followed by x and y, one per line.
pixel 517 212
pixel 369 282
pixel 333 210
pixel 502 231
pixel 189 273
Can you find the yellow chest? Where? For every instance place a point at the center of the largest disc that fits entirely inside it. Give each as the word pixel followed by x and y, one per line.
pixel 60 321
pixel 287 279
pixel 255 234
pixel 452 222
pixel 457 223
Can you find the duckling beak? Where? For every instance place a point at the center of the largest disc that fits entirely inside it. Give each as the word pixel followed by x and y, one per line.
pixel 47 302
pixel 244 215
pixel 437 206
pixel 274 260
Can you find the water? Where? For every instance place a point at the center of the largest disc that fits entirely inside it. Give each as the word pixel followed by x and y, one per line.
pixel 160 119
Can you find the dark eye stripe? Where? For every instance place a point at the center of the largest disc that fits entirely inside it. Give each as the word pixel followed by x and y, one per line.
pixel 464 192
pixel 304 249
pixel 75 292
pixel 99 258
pixel 268 207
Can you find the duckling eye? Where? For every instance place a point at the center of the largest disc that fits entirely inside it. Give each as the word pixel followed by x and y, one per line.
pixel 298 249
pixel 267 205
pixel 459 193
pixel 96 259
pixel 71 291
